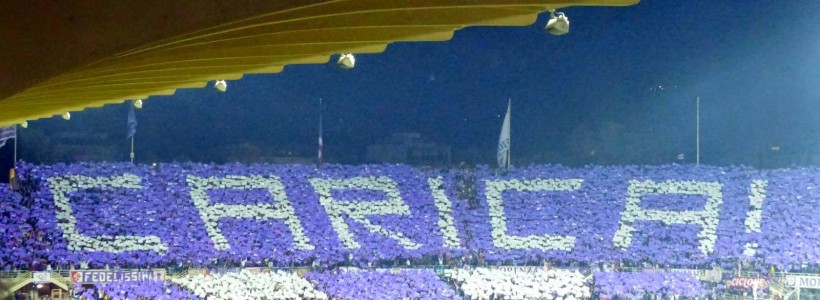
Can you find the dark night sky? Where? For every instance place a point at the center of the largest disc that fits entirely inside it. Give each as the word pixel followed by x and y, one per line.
pixel 755 65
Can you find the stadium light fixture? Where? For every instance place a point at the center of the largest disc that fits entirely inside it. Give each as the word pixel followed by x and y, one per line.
pixel 24 124
pixel 346 61
pixel 221 85
pixel 558 23
pixel 138 103
pixel 66 116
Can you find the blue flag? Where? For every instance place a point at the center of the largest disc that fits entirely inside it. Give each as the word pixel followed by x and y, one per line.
pixel 132 122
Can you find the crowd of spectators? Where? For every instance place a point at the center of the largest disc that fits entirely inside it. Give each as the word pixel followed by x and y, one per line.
pixel 636 285
pixel 377 284
pixel 518 283
pixel 118 215
pixel 18 234
pixel 251 285
pixel 134 290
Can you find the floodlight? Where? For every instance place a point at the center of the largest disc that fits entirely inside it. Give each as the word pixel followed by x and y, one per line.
pixel 346 61
pixel 221 85
pixel 138 103
pixel 67 116
pixel 24 124
pixel 558 23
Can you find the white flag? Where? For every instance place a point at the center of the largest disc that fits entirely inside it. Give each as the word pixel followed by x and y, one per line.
pixel 503 155
pixel 320 156
pixel 7 133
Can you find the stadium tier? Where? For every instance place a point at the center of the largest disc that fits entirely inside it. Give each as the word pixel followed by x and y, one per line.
pixel 297 232
pixel 200 215
pixel 248 284
pixel 361 284
pixel 635 285
pixel 144 289
pixel 353 283
pixel 525 283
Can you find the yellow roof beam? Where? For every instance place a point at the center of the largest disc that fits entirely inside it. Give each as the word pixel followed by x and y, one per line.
pixel 72 60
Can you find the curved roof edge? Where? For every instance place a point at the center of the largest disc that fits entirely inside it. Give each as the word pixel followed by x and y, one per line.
pixel 258 40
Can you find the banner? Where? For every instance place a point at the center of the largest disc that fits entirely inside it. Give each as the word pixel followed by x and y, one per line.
pixel 108 276
pixel 713 275
pixel 518 269
pixel 302 272
pixel 41 276
pixel 803 281
pixel 198 271
pixel 748 283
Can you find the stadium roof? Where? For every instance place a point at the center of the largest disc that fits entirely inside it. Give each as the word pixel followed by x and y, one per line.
pixel 70 55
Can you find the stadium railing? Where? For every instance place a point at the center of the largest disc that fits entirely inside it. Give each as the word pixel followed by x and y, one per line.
pixel 10 275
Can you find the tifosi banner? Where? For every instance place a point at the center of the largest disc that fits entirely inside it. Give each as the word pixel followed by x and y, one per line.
pixel 748 283
pixel 106 276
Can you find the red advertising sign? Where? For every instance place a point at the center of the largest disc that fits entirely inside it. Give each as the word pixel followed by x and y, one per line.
pixel 748 283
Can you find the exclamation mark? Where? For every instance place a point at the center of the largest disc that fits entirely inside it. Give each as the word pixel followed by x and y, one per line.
pixel 753 217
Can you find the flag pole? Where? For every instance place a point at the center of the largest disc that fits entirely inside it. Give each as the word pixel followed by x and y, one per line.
pixel 697 132
pixel 16 136
pixel 509 148
pixel 132 149
pixel 132 127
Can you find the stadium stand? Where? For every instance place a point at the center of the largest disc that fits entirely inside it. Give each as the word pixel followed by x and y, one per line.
pixel 607 220
pixel 248 285
pixel 518 283
pixel 635 285
pixel 354 283
pixel 146 289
